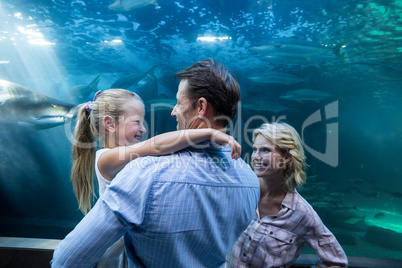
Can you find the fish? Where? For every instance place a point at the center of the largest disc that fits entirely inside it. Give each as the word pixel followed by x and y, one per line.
pixel 318 185
pixel 305 94
pixel 346 208
pixel 276 78
pixel 353 219
pixel 358 226
pixel 128 5
pixel 25 107
pixel 293 47
pixel 378 70
pixel 332 198
pixel 396 194
pixel 347 214
pixel 322 204
pixel 351 222
pixel 265 106
pixel 130 80
pixel 361 181
pixel 379 216
pixel 370 195
pixel 80 93
pixel 292 60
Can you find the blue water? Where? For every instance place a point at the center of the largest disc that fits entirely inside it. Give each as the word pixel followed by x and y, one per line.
pixel 352 134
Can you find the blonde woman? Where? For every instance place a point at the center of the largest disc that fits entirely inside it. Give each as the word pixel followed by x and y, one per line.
pixel 284 221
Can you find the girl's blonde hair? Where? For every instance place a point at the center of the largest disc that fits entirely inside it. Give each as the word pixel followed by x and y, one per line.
pixel 286 138
pixel 89 126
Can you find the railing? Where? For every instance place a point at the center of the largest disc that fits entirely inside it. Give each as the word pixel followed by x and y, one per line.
pixel 36 252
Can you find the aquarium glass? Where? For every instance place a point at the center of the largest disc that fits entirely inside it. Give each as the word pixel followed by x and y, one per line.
pixel 331 69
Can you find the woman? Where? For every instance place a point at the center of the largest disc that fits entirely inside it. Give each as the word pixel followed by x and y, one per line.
pixel 284 221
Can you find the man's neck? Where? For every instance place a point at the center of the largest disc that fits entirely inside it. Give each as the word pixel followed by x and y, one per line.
pixel 207 124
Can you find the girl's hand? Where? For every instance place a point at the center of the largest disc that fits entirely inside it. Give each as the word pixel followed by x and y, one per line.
pixel 223 138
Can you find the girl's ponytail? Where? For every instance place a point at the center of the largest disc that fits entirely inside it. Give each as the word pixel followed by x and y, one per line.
pixel 83 154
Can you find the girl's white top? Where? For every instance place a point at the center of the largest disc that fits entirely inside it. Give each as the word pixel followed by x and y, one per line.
pixel 101 180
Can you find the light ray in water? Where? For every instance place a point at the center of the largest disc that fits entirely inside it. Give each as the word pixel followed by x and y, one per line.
pixel 31 52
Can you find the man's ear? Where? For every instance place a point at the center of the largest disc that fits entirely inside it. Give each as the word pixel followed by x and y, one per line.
pixel 109 123
pixel 202 106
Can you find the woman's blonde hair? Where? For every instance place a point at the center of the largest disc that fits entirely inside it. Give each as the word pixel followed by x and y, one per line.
pixel 286 138
pixel 89 126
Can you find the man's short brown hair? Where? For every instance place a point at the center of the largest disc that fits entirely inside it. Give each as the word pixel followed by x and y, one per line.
pixel 214 82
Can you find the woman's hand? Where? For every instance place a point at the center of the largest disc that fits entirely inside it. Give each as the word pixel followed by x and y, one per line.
pixel 222 138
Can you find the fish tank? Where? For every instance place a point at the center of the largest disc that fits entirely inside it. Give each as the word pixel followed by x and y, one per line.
pixel 331 69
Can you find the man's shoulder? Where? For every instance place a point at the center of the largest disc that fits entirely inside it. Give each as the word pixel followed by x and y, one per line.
pixel 152 163
pixel 194 162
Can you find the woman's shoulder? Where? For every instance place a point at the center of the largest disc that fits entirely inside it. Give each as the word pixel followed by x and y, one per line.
pixel 304 207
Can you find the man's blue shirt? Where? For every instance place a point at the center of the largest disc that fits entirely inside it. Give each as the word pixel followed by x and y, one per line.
pixel 181 210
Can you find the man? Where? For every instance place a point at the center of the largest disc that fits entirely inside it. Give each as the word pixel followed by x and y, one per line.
pixel 181 210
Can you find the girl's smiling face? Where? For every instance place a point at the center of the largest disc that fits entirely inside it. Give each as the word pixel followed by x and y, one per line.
pixel 130 127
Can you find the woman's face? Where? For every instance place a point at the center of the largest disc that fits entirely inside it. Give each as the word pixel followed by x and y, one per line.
pixel 267 159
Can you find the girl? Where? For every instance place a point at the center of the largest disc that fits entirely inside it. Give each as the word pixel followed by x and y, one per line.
pixel 116 116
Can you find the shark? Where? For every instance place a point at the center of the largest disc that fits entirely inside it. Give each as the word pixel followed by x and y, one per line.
pixel 274 77
pixel 130 80
pixel 25 107
pixel 128 5
pixel 305 94
pixel 293 47
pixel 378 70
pixel 267 106
pixel 80 93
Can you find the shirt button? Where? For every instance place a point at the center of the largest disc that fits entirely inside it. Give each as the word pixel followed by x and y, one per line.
pixel 258 221
pixel 249 238
pixel 271 232
pixel 244 254
pixel 290 240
